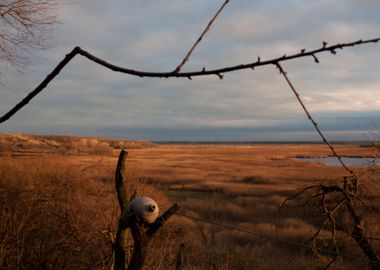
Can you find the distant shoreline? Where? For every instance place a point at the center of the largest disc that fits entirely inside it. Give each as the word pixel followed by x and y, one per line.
pixel 61 137
pixel 254 142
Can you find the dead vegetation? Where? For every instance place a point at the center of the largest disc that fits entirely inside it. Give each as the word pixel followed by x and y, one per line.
pixel 22 144
pixel 60 212
pixel 54 215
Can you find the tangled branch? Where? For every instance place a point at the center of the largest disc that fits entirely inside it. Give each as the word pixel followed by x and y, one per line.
pixel 344 195
pixel 25 25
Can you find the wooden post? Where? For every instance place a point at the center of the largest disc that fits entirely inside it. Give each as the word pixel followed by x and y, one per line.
pixel 142 233
pixel 119 262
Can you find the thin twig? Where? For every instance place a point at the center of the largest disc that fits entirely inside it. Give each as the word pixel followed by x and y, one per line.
pixel 187 57
pixel 295 196
pixel 312 120
pixel 329 218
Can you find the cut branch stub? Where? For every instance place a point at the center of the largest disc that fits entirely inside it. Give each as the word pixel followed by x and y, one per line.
pixel 119 180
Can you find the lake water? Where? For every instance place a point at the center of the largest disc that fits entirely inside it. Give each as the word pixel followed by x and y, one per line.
pixel 333 161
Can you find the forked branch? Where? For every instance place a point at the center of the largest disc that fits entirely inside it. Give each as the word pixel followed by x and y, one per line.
pixel 142 233
pixel 341 196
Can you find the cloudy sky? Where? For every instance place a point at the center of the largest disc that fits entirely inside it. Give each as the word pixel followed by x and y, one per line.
pixel 342 92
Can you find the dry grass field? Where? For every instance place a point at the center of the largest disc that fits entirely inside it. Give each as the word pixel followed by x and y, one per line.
pixel 59 209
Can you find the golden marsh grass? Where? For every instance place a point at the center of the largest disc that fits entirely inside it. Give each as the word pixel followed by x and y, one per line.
pixel 71 208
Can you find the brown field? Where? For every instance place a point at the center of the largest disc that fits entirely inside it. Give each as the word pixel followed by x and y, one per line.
pixel 59 207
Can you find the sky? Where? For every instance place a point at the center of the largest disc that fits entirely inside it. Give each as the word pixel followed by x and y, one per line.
pixel 342 92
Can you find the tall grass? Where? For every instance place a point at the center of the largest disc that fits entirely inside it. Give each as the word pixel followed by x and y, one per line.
pixel 58 216
pixel 60 212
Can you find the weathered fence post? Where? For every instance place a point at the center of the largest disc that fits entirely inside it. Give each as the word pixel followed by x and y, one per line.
pixel 119 261
pixel 142 233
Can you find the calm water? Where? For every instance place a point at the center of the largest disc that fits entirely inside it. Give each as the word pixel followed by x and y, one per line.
pixel 332 161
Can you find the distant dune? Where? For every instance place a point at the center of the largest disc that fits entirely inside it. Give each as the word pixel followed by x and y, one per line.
pixel 59 144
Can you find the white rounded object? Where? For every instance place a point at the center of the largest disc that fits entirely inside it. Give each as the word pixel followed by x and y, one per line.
pixel 145 208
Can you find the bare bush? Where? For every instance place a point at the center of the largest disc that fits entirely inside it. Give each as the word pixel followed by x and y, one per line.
pixel 25 25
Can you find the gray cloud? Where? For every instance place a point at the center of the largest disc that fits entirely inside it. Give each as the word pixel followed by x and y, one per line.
pixel 154 35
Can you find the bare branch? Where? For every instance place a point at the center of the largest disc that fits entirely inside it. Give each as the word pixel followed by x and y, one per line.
pixel 349 190
pixel 25 25
pixel 42 85
pixel 187 57
pixel 343 196
pixel 161 220
pixel 359 234
pixel 202 72
pixel 299 193
pixel 312 119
